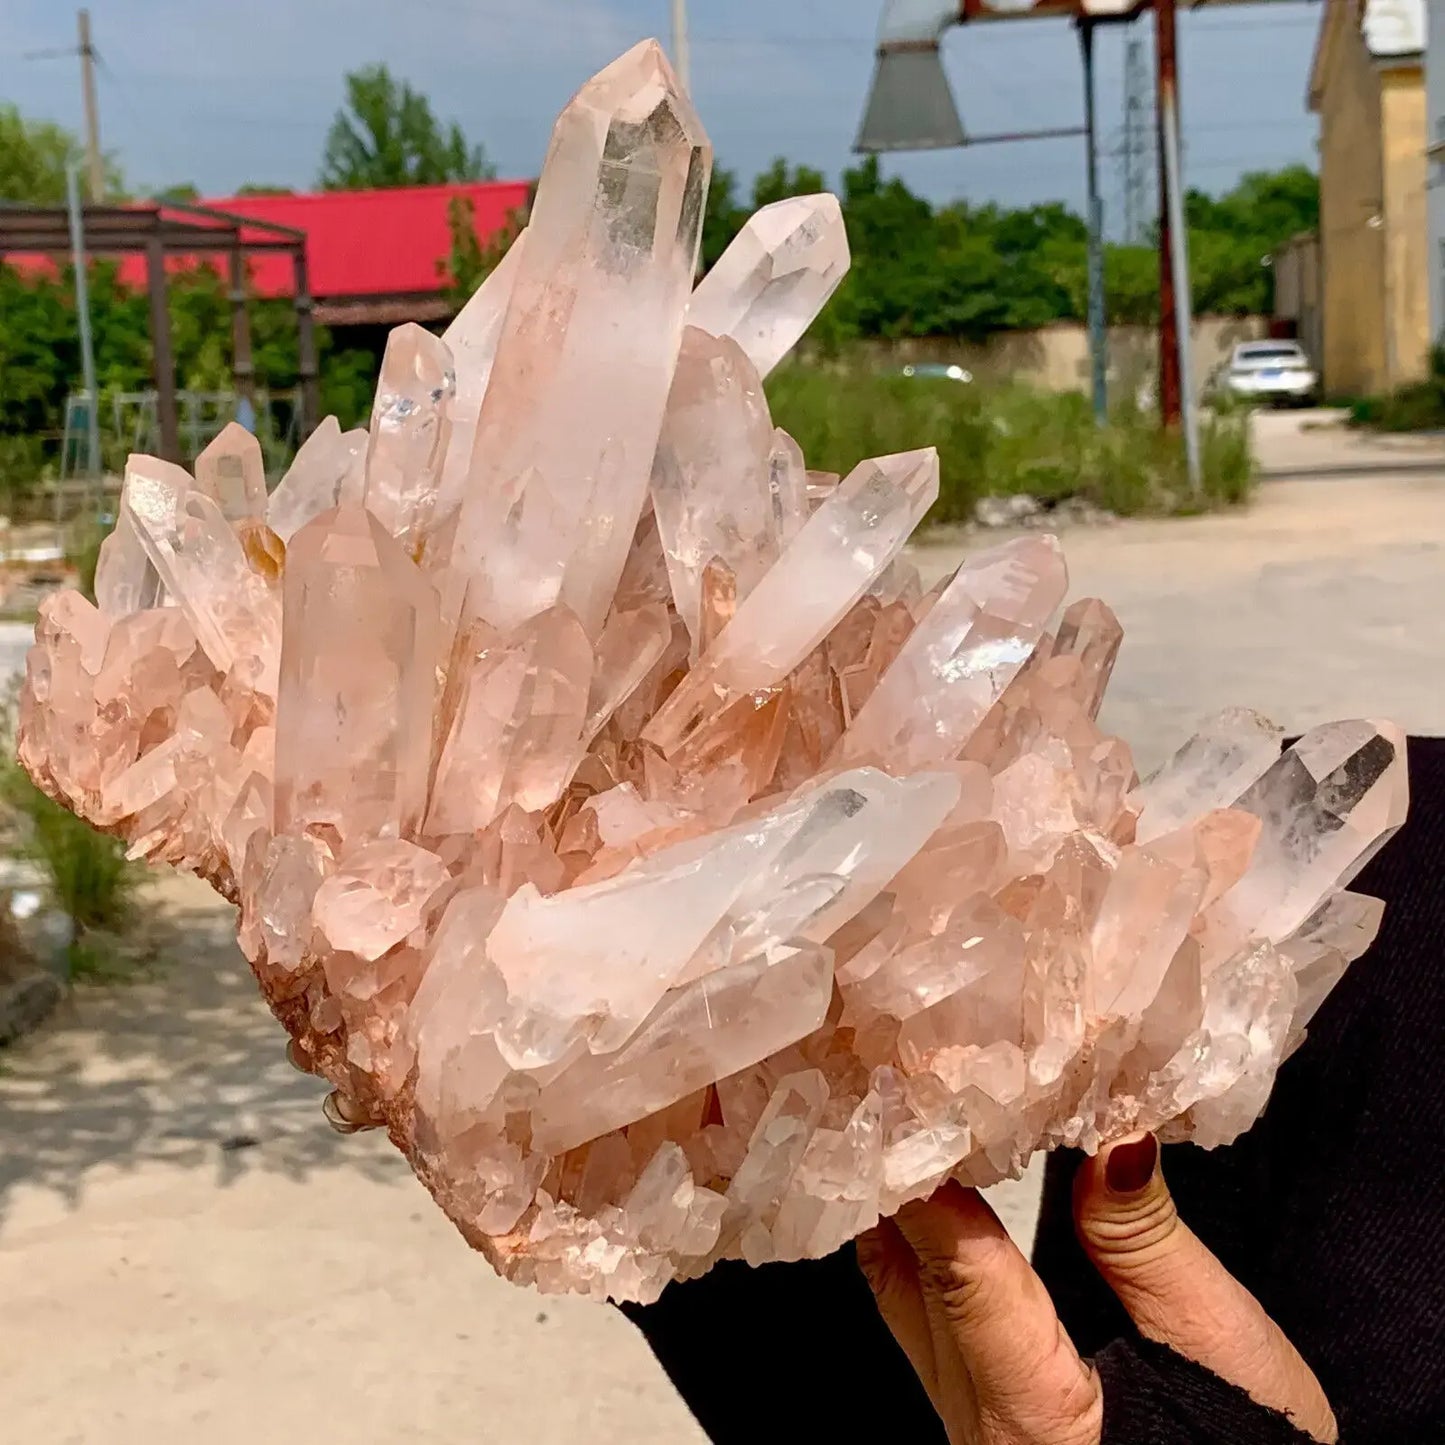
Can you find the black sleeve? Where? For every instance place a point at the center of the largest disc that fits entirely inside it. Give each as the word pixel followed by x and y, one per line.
pixel 1154 1397
pixel 785 1353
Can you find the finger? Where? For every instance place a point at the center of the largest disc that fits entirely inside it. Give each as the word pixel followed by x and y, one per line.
pixel 891 1269
pixel 1178 1293
pixel 984 1302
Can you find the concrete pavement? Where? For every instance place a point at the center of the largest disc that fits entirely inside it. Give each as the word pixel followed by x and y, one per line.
pixel 188 1254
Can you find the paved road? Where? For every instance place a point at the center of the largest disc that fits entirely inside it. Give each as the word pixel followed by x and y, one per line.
pixel 186 1254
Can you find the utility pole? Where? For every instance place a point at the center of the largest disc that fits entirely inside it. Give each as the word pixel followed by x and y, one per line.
pixel 1166 91
pixel 82 311
pixel 95 166
pixel 681 59
pixel 1098 329
pixel 1136 144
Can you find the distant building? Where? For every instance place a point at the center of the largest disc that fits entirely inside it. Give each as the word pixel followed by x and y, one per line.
pixel 1368 86
pixel 1435 150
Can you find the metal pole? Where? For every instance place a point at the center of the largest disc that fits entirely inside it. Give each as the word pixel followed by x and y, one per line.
pixel 306 345
pixel 82 311
pixel 1183 306
pixel 1098 332
pixel 165 365
pixel 93 160
pixel 243 368
pixel 681 59
pixel 1165 38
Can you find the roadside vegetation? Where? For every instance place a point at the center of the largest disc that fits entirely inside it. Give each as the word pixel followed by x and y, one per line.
pixel 1010 440
pixel 1420 406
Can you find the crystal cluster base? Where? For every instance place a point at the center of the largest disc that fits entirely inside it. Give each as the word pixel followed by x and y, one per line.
pixel 614 818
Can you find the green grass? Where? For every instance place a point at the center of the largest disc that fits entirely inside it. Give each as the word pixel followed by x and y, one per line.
pixel 998 441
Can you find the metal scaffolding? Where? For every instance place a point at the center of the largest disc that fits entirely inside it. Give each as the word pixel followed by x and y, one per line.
pixel 163 231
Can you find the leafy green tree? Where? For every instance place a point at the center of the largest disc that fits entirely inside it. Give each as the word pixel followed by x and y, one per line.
pixel 782 180
pixel 33 158
pixel 724 218
pixel 471 260
pixel 387 135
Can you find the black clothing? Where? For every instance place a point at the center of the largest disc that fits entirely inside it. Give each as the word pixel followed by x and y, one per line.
pixel 1331 1210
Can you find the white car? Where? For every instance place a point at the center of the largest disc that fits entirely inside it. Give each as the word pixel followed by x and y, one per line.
pixel 1270 371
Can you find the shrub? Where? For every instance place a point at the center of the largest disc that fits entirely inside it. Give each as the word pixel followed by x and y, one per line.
pixel 89 878
pixel 998 441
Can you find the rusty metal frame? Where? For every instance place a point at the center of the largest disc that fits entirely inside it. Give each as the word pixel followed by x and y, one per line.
pixel 159 230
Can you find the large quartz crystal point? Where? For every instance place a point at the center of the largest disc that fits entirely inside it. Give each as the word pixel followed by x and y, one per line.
pixel 777 275
pixel 701 1032
pixel 711 480
pixel 516 734
pixel 232 473
pixel 328 471
pixel 126 580
pixel 472 339
pixel 202 566
pixel 593 961
pixel 591 335
pixel 1226 756
pixel 841 550
pixel 410 427
pixel 958 660
pixel 358 683
pixel 1327 805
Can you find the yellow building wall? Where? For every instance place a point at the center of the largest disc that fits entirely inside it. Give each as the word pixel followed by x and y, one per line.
pixel 1352 233
pixel 1406 232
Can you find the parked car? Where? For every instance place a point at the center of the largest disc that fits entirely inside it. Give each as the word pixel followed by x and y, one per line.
pixel 937 369
pixel 1276 372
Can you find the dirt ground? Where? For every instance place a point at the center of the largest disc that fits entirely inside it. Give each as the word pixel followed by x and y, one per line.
pixel 188 1254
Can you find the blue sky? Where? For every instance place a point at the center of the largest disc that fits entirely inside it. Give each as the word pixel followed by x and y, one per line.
pixel 219 92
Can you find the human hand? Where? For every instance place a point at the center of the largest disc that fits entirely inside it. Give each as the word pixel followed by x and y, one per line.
pixel 978 1326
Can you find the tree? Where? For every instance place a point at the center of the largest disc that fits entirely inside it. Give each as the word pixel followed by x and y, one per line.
pixel 33 158
pixel 387 135
pixel 724 218
pixel 251 188
pixel 471 260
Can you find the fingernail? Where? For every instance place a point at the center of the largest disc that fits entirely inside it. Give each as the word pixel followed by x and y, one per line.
pixel 1130 1165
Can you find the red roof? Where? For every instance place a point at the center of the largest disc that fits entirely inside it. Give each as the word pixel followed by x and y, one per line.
pixel 360 243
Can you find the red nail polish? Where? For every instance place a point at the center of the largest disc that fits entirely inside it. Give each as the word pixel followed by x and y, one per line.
pixel 1130 1166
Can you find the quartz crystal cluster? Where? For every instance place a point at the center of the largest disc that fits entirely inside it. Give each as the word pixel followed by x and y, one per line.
pixel 614 819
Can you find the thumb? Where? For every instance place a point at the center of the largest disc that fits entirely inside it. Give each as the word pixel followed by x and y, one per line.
pixel 1178 1293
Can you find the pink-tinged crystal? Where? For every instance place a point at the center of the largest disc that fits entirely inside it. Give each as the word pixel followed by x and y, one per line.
pixel 1327 805
pixel 703 1031
pixel 602 288
pixel 204 570
pixel 411 424
pixel 777 275
pixel 831 563
pixel 328 471
pixel 126 581
pixel 472 339
pixel 377 896
pixel 358 682
pixel 545 851
pixel 232 472
pixel 958 660
pixel 516 734
pixel 1226 756
pixel 712 478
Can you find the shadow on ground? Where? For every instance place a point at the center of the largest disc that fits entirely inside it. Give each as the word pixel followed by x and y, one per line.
pixel 184 1066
